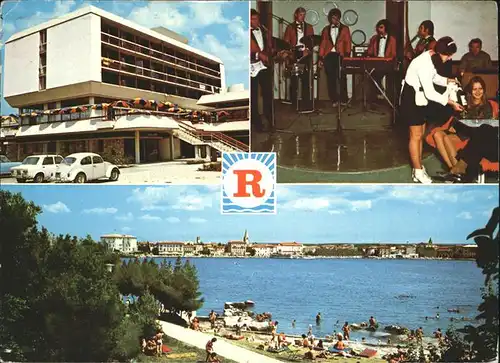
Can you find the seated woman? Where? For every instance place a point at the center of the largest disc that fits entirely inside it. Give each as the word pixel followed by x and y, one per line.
pixel 452 136
pixel 340 344
pixel 319 346
pixel 305 341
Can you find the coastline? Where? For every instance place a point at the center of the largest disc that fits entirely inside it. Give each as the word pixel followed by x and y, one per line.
pixel 299 257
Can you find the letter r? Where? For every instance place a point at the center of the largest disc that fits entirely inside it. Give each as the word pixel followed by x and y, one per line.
pixel 253 182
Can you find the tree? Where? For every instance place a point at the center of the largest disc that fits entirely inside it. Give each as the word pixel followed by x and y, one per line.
pixel 251 251
pixel 59 302
pixel 479 344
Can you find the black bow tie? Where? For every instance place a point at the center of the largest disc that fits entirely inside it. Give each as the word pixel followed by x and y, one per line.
pixel 334 26
pixel 255 29
pixel 383 37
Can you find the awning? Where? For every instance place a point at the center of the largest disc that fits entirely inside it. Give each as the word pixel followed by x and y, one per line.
pixel 65 127
pixel 145 122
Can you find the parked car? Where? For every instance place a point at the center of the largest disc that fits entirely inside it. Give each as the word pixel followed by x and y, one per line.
pixel 39 168
pixel 6 165
pixel 82 167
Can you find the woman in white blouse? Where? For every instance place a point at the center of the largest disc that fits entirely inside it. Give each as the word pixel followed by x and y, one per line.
pixel 418 89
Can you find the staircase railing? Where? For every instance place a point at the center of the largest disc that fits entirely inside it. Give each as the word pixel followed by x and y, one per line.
pixel 214 135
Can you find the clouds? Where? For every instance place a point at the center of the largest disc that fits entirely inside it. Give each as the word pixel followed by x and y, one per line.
pixel 101 211
pixel 58 207
pixel 464 215
pixel 188 198
pixel 14 23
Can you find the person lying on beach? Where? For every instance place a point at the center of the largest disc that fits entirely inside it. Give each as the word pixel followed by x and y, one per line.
pixel 309 355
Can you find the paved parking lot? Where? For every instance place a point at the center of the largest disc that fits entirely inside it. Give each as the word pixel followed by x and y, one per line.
pixel 173 172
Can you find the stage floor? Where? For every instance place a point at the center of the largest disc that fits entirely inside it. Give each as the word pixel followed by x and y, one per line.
pixel 310 141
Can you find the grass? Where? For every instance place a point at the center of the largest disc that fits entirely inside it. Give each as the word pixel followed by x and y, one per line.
pixel 179 347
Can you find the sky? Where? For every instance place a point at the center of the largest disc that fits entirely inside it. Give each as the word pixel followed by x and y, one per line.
pixel 219 28
pixel 306 214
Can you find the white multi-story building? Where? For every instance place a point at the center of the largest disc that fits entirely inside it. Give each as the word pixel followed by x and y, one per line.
pixel 120 242
pixel 289 248
pixel 171 248
pixel 237 248
pixel 75 79
pixel 264 250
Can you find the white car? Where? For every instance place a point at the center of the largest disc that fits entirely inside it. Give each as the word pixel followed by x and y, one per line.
pixel 82 167
pixel 39 168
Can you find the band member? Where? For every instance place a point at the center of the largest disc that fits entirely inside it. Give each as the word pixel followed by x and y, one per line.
pixel 382 45
pixel 293 35
pixel 335 43
pixel 426 42
pixel 260 51
pixel 417 91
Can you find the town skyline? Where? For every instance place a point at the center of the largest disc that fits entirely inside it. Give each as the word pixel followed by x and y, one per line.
pixel 310 215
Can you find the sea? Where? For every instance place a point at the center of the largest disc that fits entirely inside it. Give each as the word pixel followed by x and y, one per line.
pixel 395 292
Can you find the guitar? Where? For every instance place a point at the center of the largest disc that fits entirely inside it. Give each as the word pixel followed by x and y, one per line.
pixel 257 67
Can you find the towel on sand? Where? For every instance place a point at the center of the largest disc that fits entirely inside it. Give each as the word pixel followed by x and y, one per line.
pixel 368 353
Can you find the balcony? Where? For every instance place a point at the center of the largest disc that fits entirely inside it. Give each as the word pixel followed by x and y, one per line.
pixel 130 69
pixel 142 50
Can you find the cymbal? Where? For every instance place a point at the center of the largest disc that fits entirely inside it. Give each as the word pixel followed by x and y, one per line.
pixel 280 44
pixel 311 41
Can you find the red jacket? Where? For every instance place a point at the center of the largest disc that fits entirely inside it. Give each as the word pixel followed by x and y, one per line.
pixel 291 33
pixel 390 47
pixel 343 43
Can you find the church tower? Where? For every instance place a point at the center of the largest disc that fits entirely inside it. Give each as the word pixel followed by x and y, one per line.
pixel 245 237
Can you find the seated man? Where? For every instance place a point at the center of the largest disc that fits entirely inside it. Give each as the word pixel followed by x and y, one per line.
pixel 475 58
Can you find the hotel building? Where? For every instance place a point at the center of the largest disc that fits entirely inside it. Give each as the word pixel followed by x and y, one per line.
pixel 92 81
pixel 120 242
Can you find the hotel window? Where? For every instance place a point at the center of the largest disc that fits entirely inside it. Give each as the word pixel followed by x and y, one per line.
pixel 41 84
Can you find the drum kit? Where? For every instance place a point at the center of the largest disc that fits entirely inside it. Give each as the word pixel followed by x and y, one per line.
pixel 296 67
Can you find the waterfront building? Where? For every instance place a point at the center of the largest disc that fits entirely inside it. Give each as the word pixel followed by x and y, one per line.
pixel 264 250
pixel 236 248
pixel 189 249
pixel 466 251
pixel 92 81
pixel 445 252
pixel 289 248
pixel 123 243
pixel 171 248
pixel 308 249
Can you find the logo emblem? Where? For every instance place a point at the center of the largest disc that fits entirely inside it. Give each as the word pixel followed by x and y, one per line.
pixel 248 183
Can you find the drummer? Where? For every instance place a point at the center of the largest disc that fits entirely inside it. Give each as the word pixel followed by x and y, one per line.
pixel 294 34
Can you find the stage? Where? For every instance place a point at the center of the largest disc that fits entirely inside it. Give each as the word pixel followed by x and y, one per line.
pixel 369 149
